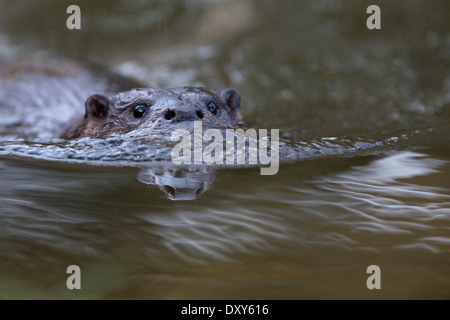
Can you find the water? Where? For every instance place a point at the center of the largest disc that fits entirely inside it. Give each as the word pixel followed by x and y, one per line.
pixel 148 230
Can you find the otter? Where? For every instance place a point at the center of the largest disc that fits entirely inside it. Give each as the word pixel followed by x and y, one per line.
pixel 44 98
pixel 147 111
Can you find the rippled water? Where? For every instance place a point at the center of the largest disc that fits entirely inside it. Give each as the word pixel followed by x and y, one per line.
pixel 365 171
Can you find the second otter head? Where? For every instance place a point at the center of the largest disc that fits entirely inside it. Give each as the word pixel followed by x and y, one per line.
pixel 152 111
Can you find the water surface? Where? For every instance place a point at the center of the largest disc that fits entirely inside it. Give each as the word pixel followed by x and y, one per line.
pixel 309 68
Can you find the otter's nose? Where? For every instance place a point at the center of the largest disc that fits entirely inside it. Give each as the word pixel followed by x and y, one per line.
pixel 183 113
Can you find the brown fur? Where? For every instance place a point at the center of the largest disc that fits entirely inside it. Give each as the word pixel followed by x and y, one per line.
pixel 114 115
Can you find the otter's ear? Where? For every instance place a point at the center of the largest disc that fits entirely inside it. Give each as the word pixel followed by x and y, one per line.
pixel 97 106
pixel 232 98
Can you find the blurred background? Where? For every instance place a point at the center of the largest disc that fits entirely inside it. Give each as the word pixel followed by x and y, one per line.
pixel 307 66
pixel 311 68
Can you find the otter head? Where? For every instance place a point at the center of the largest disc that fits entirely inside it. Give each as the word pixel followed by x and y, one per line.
pixel 151 111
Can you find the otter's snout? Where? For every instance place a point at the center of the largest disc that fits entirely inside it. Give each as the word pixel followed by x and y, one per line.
pixel 183 113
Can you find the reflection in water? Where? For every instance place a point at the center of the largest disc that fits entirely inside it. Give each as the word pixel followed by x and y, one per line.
pixel 376 199
pixel 179 183
pixel 356 210
pixel 68 215
pixel 154 156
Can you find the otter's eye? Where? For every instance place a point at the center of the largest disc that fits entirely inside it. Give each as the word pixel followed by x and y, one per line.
pixel 212 108
pixel 139 111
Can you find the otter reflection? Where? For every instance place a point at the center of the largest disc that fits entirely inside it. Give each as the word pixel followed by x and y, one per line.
pixel 179 182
